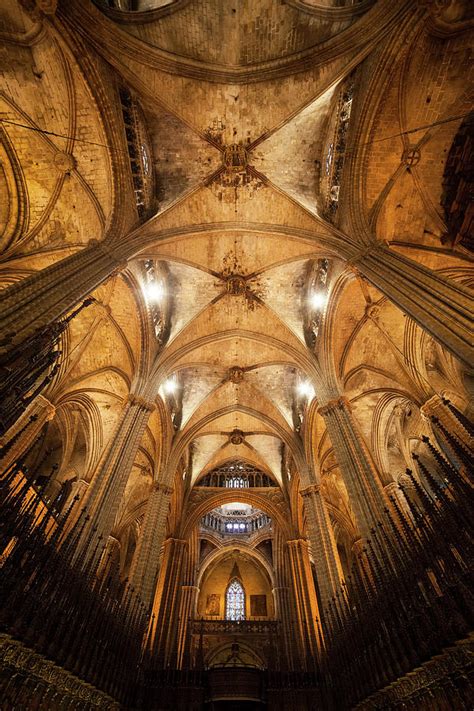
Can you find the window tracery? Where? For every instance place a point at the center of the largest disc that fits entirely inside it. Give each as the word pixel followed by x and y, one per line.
pixel 235 601
pixel 237 474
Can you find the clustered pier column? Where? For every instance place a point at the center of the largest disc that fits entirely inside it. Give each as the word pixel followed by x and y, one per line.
pixel 110 479
pixel 323 544
pixel 306 601
pixel 47 295
pixel 163 632
pixel 357 466
pixel 440 306
pixel 146 561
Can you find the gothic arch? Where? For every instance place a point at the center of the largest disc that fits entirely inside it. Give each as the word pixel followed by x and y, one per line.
pixel 199 508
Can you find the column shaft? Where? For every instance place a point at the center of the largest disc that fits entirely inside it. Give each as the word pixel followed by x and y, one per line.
pixel 306 601
pixel 43 411
pixel 146 562
pixel 166 603
pixel 48 294
pixel 357 466
pixel 323 544
pixel 282 596
pixel 110 479
pixel 188 598
pixel 440 306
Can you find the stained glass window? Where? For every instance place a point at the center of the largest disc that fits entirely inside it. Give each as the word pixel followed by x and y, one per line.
pixel 235 601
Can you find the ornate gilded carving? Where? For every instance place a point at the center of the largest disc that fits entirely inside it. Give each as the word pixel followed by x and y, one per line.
pixel 237 283
pixel 372 311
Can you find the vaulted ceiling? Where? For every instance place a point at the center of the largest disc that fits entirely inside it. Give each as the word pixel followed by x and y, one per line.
pixel 243 110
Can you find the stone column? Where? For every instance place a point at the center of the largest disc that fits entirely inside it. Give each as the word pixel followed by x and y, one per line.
pixel 110 479
pixel 146 561
pixel 112 545
pixel 359 549
pixel 187 600
pixel 307 612
pixel 393 490
pixel 166 603
pixel 440 306
pixel 22 436
pixel 356 463
pixel 188 597
pixel 283 601
pixel 323 544
pixel 79 488
pixel 46 295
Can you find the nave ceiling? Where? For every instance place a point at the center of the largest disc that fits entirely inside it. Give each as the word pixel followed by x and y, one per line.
pixel 241 113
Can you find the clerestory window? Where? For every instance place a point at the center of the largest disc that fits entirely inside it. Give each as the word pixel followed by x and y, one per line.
pixel 236 482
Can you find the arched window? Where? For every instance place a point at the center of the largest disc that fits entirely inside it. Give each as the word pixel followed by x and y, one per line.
pixel 235 601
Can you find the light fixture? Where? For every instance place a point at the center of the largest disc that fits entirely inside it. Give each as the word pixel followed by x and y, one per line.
pixel 170 386
pixel 305 389
pixel 318 299
pixel 154 292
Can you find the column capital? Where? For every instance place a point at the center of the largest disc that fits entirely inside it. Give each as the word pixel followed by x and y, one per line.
pixel 111 543
pixel 391 488
pixel 47 405
pixel 337 403
pixel 175 541
pixel 311 489
pixel 160 486
pixel 50 412
pixel 358 546
pixel 141 402
pixel 297 542
pixel 430 406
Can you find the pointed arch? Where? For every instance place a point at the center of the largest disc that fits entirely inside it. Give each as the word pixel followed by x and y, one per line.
pixel 235 600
